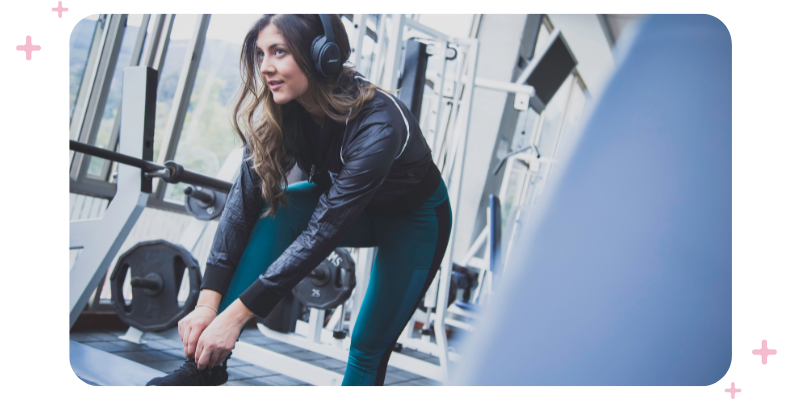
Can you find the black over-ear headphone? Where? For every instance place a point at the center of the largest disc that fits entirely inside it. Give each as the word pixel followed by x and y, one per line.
pixel 325 53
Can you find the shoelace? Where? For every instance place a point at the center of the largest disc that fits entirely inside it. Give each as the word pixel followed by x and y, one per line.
pixel 191 368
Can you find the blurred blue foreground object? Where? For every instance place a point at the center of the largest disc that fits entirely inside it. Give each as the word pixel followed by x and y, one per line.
pixel 98 368
pixel 624 277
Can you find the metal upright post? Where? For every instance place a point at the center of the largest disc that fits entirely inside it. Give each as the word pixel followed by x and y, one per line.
pixel 360 20
pixel 101 239
pixel 462 125
pixel 375 69
pixel 394 53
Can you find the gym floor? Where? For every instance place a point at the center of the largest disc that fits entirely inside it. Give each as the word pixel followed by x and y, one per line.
pixel 167 355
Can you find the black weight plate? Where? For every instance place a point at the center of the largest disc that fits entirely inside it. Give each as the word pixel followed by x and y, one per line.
pixel 197 210
pixel 338 288
pixel 146 311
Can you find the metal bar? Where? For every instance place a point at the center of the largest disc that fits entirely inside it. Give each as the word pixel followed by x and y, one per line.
pixel 159 41
pixel 114 156
pixel 479 241
pixel 455 103
pixel 505 86
pixel 175 173
pixel 564 117
pixel 476 25
pixel 547 23
pixel 99 93
pixel 315 321
pixel 94 188
pixel 440 99
pixel 183 94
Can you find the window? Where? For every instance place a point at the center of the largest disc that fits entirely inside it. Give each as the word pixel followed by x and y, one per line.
pixel 113 101
pixel 207 136
pixel 169 74
pixel 84 35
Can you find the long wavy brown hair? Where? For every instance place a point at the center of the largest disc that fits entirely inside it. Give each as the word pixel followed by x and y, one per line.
pixel 271 131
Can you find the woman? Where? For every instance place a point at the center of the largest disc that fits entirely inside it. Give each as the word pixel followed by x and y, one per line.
pixel 372 183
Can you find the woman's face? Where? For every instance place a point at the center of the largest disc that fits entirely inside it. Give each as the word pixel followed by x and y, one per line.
pixel 283 76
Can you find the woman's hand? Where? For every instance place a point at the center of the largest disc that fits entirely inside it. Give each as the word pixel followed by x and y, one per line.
pixel 217 340
pixel 192 325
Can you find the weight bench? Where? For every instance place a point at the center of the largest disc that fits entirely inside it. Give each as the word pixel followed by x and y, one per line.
pixel 99 368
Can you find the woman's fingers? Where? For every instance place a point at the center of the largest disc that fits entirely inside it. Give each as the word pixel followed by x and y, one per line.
pixel 185 340
pixel 192 340
pixel 220 357
pixel 203 358
pixel 213 360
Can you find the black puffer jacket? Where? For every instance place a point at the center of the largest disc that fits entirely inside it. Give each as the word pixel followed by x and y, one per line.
pixel 378 161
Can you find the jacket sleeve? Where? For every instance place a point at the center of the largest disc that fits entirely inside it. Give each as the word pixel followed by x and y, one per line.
pixel 368 156
pixel 242 209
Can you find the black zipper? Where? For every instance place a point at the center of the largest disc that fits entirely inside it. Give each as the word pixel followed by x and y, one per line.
pixel 311 175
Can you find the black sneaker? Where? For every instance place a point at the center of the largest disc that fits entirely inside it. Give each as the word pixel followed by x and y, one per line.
pixel 189 375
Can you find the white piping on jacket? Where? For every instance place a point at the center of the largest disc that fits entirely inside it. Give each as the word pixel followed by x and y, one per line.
pixel 408 131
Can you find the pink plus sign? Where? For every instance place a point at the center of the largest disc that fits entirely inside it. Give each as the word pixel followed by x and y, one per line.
pixel 28 47
pixel 733 390
pixel 764 352
pixel 60 9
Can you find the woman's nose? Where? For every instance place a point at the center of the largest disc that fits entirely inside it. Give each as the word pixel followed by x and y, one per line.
pixel 267 66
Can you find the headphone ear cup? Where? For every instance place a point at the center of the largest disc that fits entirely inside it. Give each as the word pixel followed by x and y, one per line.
pixel 329 59
pixel 316 47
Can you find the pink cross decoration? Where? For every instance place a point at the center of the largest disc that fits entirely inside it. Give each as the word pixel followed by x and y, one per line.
pixel 764 352
pixel 733 390
pixel 28 48
pixel 60 9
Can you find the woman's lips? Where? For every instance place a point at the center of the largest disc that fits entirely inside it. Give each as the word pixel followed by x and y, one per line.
pixel 275 85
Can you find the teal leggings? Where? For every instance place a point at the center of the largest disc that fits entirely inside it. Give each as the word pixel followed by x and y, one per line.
pixel 410 248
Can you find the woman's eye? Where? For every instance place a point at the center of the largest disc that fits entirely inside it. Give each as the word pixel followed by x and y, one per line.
pixel 279 50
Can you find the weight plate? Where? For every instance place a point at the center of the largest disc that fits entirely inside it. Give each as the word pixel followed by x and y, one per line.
pixel 332 282
pixel 155 262
pixel 205 212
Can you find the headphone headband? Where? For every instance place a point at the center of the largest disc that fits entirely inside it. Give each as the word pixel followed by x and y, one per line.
pixel 326 25
pixel 325 53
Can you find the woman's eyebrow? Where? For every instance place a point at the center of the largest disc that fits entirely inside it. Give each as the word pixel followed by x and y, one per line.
pixel 272 46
